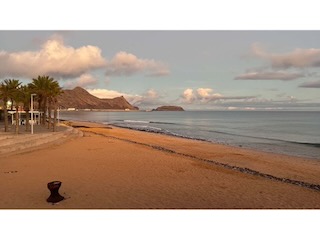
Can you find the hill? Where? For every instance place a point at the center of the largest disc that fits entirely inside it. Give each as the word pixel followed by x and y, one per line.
pixel 79 98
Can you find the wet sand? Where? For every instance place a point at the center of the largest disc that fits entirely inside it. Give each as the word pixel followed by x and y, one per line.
pixel 114 168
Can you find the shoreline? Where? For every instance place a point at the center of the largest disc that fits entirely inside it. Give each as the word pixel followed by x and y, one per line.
pixel 226 144
pixel 282 142
pixel 116 168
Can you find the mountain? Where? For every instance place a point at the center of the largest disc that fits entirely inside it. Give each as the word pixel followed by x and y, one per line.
pixel 169 108
pixel 79 98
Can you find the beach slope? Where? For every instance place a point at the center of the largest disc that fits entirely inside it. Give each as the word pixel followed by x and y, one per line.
pixel 114 168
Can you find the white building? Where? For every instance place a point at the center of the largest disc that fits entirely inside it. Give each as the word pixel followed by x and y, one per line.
pixel 23 118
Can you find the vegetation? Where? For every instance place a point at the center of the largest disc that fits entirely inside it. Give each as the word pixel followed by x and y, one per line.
pixel 46 89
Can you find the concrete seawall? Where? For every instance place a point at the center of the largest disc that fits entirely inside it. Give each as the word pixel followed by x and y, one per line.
pixel 11 143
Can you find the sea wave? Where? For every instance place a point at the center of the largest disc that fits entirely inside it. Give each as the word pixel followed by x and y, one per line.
pixel 311 144
pixel 136 121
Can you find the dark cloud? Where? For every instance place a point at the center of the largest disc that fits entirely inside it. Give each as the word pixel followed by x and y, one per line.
pixel 298 58
pixel 277 75
pixel 314 84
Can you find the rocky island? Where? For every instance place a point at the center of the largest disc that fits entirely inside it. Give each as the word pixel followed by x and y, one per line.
pixel 169 108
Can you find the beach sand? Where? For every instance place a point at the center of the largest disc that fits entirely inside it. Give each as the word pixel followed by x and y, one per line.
pixel 114 168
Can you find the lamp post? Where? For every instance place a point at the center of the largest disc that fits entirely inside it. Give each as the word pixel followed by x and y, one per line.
pixel 33 94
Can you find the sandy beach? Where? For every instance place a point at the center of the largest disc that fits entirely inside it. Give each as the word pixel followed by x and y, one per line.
pixel 115 168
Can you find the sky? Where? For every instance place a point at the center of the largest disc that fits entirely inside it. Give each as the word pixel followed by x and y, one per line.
pixel 198 70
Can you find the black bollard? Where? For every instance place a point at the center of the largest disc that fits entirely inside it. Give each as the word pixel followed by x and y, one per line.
pixel 54 189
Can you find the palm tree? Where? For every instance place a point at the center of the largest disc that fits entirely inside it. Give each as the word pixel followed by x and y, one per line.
pixel 41 86
pixel 7 90
pixel 47 90
pixel 13 84
pixel 55 91
pixel 17 96
pixel 4 94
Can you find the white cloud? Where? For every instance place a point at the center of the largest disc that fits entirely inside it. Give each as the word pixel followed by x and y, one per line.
pixel 124 63
pixel 206 95
pixel 188 96
pixel 204 92
pixel 83 81
pixel 105 93
pixel 54 58
pixel 203 95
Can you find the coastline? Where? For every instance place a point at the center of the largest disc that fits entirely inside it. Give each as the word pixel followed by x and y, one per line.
pixel 116 168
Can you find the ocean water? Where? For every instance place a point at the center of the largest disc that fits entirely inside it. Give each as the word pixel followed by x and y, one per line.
pixel 291 133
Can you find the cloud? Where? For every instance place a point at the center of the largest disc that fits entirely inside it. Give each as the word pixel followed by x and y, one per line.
pixel 314 84
pixel 188 96
pixel 105 93
pixel 206 95
pixel 204 92
pixel 124 63
pixel 149 98
pixel 152 94
pixel 277 75
pixel 54 58
pixel 298 58
pixel 83 81
pixel 286 103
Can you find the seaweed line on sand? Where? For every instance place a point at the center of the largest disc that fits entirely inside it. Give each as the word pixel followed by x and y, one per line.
pixel 224 165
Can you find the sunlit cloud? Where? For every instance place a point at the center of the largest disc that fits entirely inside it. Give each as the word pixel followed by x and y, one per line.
pixel 54 58
pixel 124 63
pixel 206 95
pixel 313 84
pixel 84 80
pixel 105 93
pixel 188 96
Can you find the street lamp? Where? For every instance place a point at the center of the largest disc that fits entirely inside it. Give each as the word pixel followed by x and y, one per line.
pixel 33 94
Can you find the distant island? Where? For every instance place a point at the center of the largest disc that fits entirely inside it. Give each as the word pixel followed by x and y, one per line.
pixel 168 108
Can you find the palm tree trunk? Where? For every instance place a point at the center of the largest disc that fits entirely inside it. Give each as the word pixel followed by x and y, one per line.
pixel 27 120
pixel 11 104
pixel 55 114
pixel 17 119
pixel 40 108
pixel 5 111
pixel 49 115
pixel 44 109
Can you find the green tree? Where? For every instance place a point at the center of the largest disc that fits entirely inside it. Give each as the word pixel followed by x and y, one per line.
pixel 41 86
pixel 55 91
pixel 47 90
pixel 17 96
pixel 8 89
